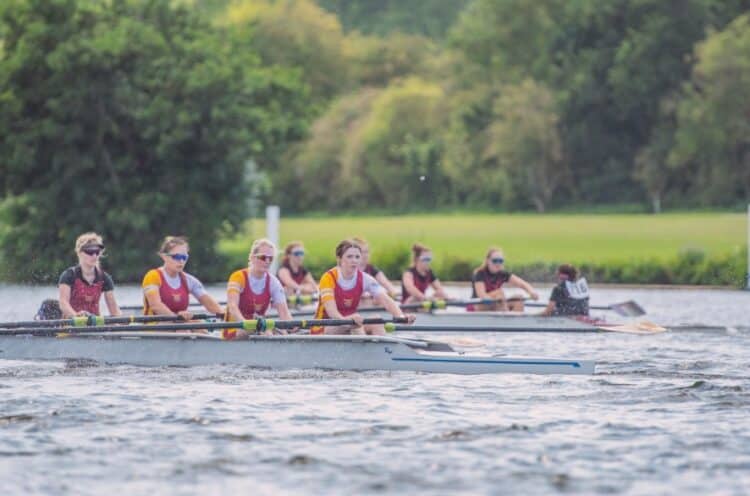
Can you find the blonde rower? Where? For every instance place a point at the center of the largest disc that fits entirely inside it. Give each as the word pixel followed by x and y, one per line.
pixel 341 289
pixel 81 286
pixel 419 277
pixel 488 280
pixel 252 290
pixel 167 290
pixel 292 273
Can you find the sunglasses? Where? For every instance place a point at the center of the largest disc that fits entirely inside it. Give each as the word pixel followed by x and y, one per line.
pixel 94 252
pixel 425 259
pixel 265 258
pixel 299 253
pixel 178 257
pixel 498 260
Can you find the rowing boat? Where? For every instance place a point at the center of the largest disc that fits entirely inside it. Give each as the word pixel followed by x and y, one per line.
pixel 278 352
pixel 508 319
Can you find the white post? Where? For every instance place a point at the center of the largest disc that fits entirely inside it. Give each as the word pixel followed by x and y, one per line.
pixel 747 274
pixel 273 213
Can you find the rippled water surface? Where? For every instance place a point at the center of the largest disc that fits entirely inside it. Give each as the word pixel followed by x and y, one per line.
pixel 665 414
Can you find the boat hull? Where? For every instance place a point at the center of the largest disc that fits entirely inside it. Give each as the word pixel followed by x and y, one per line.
pixel 504 319
pixel 279 352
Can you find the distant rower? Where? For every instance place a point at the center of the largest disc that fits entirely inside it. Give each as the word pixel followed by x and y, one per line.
pixel 375 272
pixel 251 291
pixel 487 282
pixel 419 277
pixel 167 290
pixel 341 289
pixel 570 296
pixel 293 275
pixel 80 287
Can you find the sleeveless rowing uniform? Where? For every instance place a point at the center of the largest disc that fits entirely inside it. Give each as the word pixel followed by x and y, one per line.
pixel 372 270
pixel 251 303
pixel 298 276
pixel 422 282
pixel 491 282
pixel 571 297
pixel 347 300
pixel 176 299
pixel 85 296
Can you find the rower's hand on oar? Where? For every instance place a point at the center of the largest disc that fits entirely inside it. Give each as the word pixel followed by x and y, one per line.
pixel 358 319
pixel 185 315
pixel 534 295
pixel 83 313
pixel 409 318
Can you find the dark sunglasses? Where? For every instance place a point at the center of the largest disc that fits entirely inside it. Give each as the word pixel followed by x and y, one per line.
pixel 265 258
pixel 94 252
pixel 178 257
pixel 497 260
pixel 299 253
pixel 426 259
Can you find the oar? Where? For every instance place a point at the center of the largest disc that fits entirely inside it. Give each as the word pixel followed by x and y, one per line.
pixel 635 328
pixel 253 325
pixel 96 320
pixel 626 309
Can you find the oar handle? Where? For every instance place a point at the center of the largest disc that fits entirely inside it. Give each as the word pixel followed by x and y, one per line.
pixel 98 320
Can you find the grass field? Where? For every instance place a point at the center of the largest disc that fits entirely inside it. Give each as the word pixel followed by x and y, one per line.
pixel 525 238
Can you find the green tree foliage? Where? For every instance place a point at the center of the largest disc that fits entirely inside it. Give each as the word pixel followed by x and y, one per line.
pixel 713 134
pixel 430 18
pixel 295 34
pixel 131 118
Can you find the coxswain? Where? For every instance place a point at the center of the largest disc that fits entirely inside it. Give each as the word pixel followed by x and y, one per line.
pixel 341 290
pixel 293 276
pixel 418 278
pixel 570 296
pixel 251 291
pixel 80 287
pixel 167 289
pixel 488 280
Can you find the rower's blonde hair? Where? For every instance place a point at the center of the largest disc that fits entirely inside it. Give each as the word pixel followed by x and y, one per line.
pixel 89 238
pixel 172 241
pixel 490 251
pixel 262 242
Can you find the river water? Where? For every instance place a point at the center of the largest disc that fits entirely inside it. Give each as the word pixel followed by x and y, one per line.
pixel 664 414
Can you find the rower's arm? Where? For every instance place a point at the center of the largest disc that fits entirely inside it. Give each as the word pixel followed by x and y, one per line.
pixel 332 310
pixel 156 305
pixel 109 298
pixel 383 280
pixel 210 304
pixel 309 286
pixel 64 297
pixel 387 302
pixel 549 309
pixel 517 281
pixel 439 291
pixel 411 289
pixel 233 306
pixel 285 276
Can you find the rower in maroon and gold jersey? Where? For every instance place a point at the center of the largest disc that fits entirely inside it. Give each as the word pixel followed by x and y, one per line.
pixel 418 278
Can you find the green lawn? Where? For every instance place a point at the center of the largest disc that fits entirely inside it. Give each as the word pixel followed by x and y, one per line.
pixel 525 238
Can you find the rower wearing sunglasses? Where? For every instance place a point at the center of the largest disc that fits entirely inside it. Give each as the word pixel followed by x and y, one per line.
pixel 292 273
pixel 341 290
pixel 252 290
pixel 488 280
pixel 81 286
pixel 167 290
pixel 419 277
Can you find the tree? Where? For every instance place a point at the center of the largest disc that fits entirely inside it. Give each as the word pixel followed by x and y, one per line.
pixel 131 118
pixel 713 131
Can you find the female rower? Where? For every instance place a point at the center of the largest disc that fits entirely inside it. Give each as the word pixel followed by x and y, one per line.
pixel 252 290
pixel 341 289
pixel 570 296
pixel 487 283
pixel 81 286
pixel 368 268
pixel 419 277
pixel 292 273
pixel 167 290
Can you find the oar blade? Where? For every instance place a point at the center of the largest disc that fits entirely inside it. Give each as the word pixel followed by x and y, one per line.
pixel 628 309
pixel 643 327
